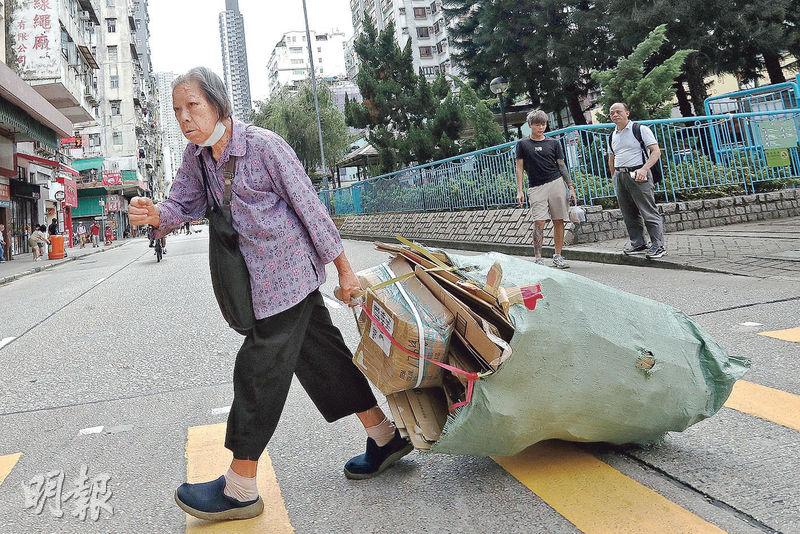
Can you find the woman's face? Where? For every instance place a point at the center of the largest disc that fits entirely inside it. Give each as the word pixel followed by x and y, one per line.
pixel 195 114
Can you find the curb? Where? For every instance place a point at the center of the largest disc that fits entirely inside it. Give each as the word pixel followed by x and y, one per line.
pixel 577 254
pixel 38 269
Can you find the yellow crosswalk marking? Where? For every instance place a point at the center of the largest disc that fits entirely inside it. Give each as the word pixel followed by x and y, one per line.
pixel 7 463
pixel 207 458
pixel 767 403
pixel 790 334
pixel 594 496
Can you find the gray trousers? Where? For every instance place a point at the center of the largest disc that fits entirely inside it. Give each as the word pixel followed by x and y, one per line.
pixel 638 206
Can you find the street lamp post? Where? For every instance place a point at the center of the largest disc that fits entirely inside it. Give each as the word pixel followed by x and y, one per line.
pixel 498 86
pixel 316 108
pixel 102 204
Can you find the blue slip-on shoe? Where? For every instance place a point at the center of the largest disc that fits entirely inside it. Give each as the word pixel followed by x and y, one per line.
pixel 377 459
pixel 208 501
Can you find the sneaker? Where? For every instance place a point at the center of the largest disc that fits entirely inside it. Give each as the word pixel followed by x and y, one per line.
pixel 630 250
pixel 208 501
pixel 539 261
pixel 377 459
pixel 559 262
pixel 656 251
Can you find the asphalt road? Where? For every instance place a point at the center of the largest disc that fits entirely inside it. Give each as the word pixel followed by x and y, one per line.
pixel 138 348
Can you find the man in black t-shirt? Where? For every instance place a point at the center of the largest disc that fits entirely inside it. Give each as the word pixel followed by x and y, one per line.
pixel 543 161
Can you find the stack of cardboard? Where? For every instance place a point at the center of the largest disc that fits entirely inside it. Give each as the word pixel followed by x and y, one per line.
pixel 477 317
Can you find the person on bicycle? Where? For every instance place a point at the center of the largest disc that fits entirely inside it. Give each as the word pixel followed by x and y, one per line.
pixel 151 235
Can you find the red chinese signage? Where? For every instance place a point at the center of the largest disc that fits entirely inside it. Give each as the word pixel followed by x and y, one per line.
pixel 112 178
pixel 70 192
pixel 5 192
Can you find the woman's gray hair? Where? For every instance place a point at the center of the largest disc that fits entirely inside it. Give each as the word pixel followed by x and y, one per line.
pixel 212 86
pixel 537 116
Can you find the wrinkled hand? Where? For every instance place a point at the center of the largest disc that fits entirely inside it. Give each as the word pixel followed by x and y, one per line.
pixel 348 287
pixel 142 211
pixel 520 198
pixel 640 175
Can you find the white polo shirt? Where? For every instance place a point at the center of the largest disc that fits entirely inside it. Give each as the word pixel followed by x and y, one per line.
pixel 626 149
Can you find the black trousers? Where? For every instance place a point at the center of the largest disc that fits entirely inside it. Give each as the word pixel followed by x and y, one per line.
pixel 302 341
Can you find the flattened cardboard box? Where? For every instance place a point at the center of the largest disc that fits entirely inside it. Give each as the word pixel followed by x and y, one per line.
pixel 469 326
pixel 420 415
pixel 386 366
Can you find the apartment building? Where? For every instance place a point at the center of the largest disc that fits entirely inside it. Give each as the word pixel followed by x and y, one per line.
pixel 234 59
pixel 288 63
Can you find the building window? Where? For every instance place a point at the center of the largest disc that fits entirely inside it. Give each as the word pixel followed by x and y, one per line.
pixel 434 7
pixel 114 79
pixel 420 13
pixel 405 31
pixel 109 3
pixel 94 140
pixel 296 49
pixel 437 27
pixel 429 71
pixel 423 32
pixel 425 51
pixel 298 62
pixel 116 107
pixel 117 138
pixel 111 25
pixel 402 11
pixel 112 53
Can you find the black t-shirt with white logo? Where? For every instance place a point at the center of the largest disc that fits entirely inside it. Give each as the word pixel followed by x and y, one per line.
pixel 540 159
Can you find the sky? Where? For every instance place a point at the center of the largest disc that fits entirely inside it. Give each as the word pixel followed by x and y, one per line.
pixel 185 33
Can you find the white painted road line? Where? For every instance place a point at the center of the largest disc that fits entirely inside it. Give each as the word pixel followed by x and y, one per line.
pixel 333 303
pixel 750 324
pixel 5 341
pixel 220 411
pixel 98 281
pixel 90 430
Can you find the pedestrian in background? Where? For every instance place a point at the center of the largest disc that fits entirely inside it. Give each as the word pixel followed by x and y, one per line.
pixel 95 230
pixel 2 243
pixel 53 228
pixel 37 241
pixel 633 153
pixel 550 187
pixel 109 235
pixel 256 184
pixel 82 234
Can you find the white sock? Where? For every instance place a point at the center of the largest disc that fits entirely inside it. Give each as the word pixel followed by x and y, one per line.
pixel 382 433
pixel 241 488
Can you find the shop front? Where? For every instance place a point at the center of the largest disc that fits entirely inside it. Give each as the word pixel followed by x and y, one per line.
pixel 24 214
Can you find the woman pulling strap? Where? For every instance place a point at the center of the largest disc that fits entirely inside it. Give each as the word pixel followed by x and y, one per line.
pixel 286 237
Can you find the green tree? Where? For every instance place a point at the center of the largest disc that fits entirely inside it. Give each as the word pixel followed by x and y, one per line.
pixel 480 126
pixel 407 119
pixel 545 48
pixel 291 115
pixel 648 95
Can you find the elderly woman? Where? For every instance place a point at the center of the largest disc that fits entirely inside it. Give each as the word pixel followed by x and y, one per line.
pixel 286 237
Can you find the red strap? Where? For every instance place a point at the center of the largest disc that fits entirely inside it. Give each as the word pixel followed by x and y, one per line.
pixel 471 377
pixel 530 295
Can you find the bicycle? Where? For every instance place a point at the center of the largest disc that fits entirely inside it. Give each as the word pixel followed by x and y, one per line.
pixel 159 250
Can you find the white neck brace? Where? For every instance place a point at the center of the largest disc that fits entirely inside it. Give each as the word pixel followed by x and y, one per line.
pixel 216 135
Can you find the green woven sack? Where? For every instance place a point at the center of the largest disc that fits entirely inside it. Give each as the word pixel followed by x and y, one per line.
pixel 590 364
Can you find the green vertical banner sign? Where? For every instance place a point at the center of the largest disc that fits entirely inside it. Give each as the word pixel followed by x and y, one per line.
pixel 778 136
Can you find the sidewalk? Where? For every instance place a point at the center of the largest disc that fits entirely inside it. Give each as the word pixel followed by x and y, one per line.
pixel 23 264
pixel 763 249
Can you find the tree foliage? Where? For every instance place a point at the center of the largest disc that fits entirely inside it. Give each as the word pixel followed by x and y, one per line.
pixel 648 94
pixel 407 118
pixel 292 116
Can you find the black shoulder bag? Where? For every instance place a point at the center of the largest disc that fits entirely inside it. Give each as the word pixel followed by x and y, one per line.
pixel 229 275
pixel 655 170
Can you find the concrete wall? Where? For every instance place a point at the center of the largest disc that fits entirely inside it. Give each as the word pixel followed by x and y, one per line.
pixel 513 226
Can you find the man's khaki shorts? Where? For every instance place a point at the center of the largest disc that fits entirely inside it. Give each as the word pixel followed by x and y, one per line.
pixel 549 201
